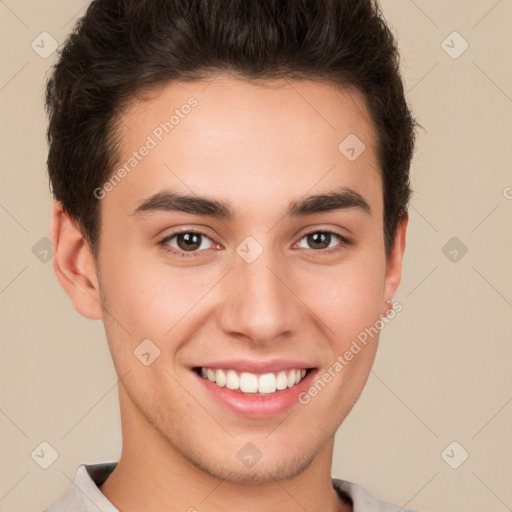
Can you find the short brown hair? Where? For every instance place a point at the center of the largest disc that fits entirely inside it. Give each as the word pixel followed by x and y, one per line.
pixel 121 48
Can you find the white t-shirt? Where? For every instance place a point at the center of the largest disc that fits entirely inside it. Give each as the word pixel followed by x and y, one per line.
pixel 84 494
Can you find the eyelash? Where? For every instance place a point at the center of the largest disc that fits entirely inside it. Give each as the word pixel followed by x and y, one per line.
pixel 344 242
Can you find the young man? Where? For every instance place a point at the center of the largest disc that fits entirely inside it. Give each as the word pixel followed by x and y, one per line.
pixel 231 181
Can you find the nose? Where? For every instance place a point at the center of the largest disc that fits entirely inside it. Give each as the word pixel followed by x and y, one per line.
pixel 259 302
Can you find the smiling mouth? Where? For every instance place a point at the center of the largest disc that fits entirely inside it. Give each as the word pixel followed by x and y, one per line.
pixel 252 383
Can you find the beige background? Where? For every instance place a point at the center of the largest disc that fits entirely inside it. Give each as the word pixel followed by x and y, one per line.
pixel 443 370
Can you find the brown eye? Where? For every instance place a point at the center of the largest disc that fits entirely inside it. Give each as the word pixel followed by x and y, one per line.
pixel 321 240
pixel 186 241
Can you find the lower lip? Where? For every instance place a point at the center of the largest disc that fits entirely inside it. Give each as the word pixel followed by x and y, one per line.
pixel 257 406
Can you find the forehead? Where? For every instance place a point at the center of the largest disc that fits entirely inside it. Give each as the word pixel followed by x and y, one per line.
pixel 216 135
pixel 238 104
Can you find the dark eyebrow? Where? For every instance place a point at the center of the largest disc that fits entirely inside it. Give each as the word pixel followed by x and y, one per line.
pixel 165 201
pixel 340 199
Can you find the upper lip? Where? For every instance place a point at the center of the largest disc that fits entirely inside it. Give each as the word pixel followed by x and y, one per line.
pixel 258 367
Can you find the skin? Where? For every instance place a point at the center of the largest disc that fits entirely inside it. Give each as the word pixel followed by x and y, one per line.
pixel 256 146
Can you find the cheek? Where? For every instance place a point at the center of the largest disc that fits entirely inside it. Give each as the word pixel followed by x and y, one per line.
pixel 150 299
pixel 348 299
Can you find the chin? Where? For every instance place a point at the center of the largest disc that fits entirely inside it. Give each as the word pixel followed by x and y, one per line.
pixel 262 472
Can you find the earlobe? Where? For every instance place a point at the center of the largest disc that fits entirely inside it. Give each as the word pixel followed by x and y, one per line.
pixel 74 265
pixel 394 263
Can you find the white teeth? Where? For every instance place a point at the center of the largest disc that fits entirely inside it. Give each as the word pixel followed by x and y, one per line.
pixel 281 381
pixel 251 383
pixel 232 380
pixel 220 378
pixel 248 383
pixel 267 383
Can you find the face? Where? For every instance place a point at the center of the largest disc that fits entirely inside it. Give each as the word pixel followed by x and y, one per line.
pixel 250 282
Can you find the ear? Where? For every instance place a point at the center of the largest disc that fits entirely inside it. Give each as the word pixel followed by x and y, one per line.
pixel 74 265
pixel 394 263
